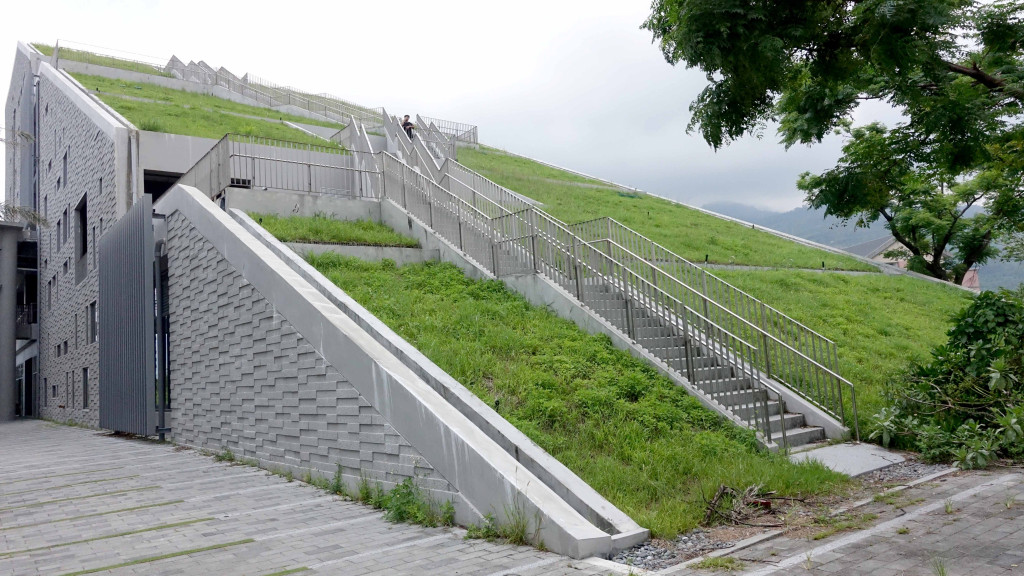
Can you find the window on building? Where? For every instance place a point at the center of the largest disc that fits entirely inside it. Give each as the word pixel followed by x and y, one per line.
pixel 46 207
pixel 49 293
pixel 53 390
pixel 85 387
pixel 93 323
pixel 45 395
pixel 65 347
pixel 67 224
pixel 60 229
pixel 65 175
pixel 76 331
pixel 82 230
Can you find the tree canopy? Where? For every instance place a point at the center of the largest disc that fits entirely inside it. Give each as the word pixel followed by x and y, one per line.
pixel 952 68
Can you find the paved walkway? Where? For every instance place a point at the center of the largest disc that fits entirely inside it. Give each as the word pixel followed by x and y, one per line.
pixel 970 524
pixel 75 501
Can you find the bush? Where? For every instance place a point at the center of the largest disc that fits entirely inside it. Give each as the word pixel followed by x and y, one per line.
pixel 967 403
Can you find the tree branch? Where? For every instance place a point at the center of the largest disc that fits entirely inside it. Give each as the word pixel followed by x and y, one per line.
pixel 987 80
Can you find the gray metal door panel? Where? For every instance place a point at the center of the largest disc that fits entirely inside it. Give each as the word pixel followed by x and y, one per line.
pixel 126 323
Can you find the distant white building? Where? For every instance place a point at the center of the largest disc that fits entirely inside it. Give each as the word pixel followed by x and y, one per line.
pixel 876 250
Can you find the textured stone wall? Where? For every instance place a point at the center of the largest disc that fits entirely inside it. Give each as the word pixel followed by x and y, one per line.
pixel 65 129
pixel 242 378
pixel 18 120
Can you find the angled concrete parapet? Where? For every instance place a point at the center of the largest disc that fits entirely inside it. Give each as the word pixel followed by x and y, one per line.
pixel 482 473
pixel 625 532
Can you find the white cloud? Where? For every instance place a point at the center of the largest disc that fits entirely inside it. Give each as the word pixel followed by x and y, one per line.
pixel 575 83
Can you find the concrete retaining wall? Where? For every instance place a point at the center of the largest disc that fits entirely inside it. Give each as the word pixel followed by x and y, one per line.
pixel 274 369
pixel 284 203
pixel 584 499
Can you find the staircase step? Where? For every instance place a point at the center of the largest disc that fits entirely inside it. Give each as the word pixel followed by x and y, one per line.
pixel 792 421
pixel 745 411
pixel 800 436
pixel 741 395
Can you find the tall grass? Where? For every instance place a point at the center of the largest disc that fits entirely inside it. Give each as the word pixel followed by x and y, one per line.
pixel 691 234
pixel 321 229
pixel 630 433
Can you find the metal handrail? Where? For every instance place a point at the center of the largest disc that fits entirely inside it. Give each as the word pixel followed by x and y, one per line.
pixel 817 381
pixel 766 337
pixel 436 206
pixel 663 258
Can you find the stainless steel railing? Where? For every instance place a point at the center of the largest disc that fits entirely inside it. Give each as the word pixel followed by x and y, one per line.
pixel 791 353
pixel 261 163
pixel 462 132
pixel 530 240
pixel 795 354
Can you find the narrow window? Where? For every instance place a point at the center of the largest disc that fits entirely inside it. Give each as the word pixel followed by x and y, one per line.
pixel 65 167
pixel 82 230
pixel 76 331
pixel 60 228
pixel 85 387
pixel 46 397
pixel 67 223
pixel 93 324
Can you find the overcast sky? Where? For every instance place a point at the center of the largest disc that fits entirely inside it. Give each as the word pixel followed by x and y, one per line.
pixel 576 83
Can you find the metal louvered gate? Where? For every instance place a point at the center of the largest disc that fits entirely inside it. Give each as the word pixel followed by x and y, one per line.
pixel 126 324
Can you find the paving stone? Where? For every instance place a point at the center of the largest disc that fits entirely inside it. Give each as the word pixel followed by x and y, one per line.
pixel 263 522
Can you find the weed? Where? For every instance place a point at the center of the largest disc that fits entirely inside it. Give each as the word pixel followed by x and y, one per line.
pixel 903 530
pixel 939 567
pixel 948 506
pixel 337 485
pixel 486 530
pixel 288 475
pixel 365 493
pixel 841 523
pixel 516 529
pixel 226 456
pixel 448 514
pixel 808 561
pixel 721 563
pixel 1011 499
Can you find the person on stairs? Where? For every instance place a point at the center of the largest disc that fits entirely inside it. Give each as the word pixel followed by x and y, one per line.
pixel 408 126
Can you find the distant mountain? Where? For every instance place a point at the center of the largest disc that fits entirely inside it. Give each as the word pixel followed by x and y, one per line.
pixel 813 225
pixel 803 222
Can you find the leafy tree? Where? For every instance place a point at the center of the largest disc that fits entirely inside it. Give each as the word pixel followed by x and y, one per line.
pixel 953 68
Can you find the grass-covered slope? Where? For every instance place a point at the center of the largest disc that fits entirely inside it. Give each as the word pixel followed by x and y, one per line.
pixel 689 233
pixel 324 230
pixel 879 322
pixel 633 435
pixel 102 60
pixel 159 109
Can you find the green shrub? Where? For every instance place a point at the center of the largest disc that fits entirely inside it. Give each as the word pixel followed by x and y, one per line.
pixel 967 403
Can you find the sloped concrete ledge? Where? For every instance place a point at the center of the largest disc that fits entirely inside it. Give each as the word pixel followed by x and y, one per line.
pixel 483 473
pixel 625 532
pixel 400 256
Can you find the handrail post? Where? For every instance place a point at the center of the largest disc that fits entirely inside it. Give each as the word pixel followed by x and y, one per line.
pixel 533 251
pixel 459 219
pixel 494 257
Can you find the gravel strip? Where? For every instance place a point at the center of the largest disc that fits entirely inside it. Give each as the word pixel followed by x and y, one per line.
pixel 658 554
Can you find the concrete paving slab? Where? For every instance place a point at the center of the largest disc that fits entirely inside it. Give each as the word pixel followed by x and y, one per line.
pixel 74 500
pixel 851 458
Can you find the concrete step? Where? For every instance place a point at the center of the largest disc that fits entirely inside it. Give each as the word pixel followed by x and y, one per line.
pixel 800 436
pixel 738 396
pixel 791 420
pixel 745 411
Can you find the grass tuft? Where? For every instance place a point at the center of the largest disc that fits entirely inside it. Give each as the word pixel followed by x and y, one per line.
pixel 720 564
